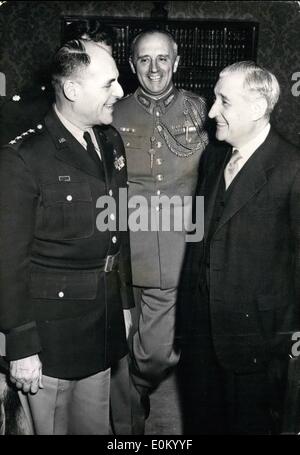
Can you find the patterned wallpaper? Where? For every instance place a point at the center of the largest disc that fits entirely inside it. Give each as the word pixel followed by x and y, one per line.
pixel 30 32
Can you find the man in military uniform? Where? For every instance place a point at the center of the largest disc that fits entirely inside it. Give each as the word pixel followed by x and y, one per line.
pixel 163 132
pixel 23 110
pixel 63 278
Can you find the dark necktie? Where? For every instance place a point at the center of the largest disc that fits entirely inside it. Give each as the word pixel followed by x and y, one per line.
pixel 91 149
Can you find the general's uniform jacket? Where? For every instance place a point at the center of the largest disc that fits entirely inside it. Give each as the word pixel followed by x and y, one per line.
pixel 252 262
pixel 55 298
pixel 163 140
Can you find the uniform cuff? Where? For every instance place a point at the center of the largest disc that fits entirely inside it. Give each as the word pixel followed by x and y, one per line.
pixel 22 341
pixel 127 297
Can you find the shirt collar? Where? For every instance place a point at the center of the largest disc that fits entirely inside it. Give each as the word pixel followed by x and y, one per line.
pixel 149 103
pixel 249 148
pixel 73 129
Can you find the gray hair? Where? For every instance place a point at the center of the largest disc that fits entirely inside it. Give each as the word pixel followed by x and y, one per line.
pixel 257 79
pixel 141 35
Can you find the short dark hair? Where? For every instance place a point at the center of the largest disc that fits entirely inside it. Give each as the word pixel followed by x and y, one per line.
pixel 69 58
pixel 91 29
pixel 152 31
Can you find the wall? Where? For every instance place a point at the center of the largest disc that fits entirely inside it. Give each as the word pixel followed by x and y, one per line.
pixel 31 32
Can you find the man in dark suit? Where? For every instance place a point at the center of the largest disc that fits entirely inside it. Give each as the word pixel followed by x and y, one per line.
pixel 240 285
pixel 63 272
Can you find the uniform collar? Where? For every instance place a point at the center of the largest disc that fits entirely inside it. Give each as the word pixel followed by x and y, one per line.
pixel 163 103
pixel 73 129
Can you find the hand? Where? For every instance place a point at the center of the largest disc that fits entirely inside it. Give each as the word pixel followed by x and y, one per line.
pixel 26 374
pixel 128 322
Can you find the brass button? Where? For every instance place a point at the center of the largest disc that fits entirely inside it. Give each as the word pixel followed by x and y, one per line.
pixel 159 161
pixel 61 294
pixel 69 198
pixel 159 177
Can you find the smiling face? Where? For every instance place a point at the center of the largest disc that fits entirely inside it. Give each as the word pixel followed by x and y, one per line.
pixel 154 63
pixel 97 89
pixel 233 110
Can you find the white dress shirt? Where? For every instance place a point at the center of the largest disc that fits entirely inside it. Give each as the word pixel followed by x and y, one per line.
pixel 78 132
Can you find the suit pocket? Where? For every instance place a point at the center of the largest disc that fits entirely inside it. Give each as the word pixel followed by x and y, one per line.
pixel 272 310
pixel 68 211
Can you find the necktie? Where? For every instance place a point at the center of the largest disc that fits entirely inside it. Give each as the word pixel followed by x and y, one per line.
pixel 91 148
pixel 232 167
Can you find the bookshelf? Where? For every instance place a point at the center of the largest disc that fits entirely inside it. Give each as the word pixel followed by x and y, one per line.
pixel 205 47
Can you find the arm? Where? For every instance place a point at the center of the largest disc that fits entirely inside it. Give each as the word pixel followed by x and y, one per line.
pixel 18 199
pixel 294 213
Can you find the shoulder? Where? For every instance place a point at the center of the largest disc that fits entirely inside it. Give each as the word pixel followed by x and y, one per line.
pixel 123 110
pixel 192 97
pixel 28 141
pixel 124 102
pixel 285 150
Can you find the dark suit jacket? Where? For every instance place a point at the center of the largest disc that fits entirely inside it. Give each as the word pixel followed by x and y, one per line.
pixel 254 257
pixel 54 298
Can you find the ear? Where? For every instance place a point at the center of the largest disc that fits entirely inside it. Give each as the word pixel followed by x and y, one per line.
pixel 71 90
pixel 132 65
pixel 175 66
pixel 259 108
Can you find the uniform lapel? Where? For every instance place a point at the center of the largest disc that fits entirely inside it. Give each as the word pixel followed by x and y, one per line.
pixel 107 152
pixel 68 149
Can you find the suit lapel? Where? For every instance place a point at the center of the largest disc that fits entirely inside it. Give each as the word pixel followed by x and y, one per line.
pixel 219 158
pixel 250 180
pixel 68 149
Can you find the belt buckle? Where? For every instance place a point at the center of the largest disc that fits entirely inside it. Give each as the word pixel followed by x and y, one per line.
pixel 109 263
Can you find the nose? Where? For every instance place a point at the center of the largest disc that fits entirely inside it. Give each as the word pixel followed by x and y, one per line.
pixel 213 110
pixel 118 91
pixel 153 66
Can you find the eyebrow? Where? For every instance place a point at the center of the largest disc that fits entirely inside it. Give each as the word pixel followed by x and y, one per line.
pixel 224 97
pixel 147 55
pixel 110 81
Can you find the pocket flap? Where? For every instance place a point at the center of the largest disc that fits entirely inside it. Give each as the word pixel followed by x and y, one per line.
pixel 133 141
pixel 64 285
pixel 66 192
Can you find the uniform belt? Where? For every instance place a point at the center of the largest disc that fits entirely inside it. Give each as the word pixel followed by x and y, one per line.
pixel 110 263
